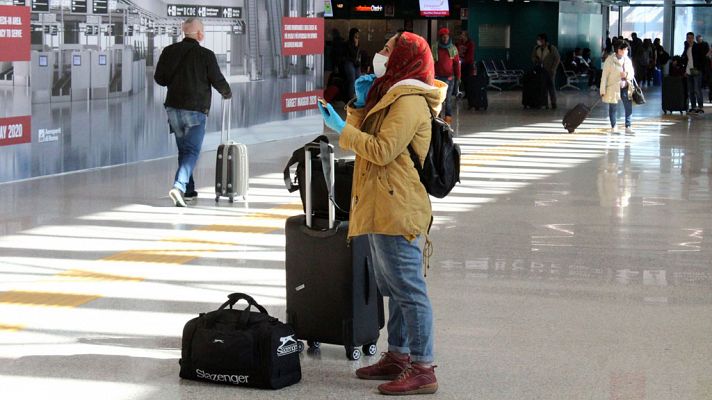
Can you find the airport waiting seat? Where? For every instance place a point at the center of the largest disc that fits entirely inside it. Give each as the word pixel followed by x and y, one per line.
pixel 572 78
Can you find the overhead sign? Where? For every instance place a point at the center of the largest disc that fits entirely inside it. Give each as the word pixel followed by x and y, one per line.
pixel 18 3
pixel 100 6
pixel 15 130
pixel 302 36
pixel 79 6
pixel 184 11
pixel 40 5
pixel 300 101
pixel 369 8
pixel 14 33
pixel 434 8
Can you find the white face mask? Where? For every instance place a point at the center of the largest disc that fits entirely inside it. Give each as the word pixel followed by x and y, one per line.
pixel 379 64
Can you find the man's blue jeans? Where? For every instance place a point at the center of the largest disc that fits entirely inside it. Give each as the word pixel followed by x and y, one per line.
pixel 189 128
pixel 447 104
pixel 398 266
pixel 627 105
pixel 694 83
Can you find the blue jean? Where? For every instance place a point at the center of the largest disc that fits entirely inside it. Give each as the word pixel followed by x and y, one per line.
pixel 447 104
pixel 694 83
pixel 627 105
pixel 398 266
pixel 189 128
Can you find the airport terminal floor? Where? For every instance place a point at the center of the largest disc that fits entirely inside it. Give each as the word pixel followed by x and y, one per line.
pixel 565 266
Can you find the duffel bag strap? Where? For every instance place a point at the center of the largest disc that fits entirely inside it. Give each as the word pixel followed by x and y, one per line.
pixel 235 297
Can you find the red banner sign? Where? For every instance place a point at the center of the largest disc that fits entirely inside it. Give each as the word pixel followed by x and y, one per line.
pixel 15 130
pixel 14 33
pixel 300 101
pixel 302 36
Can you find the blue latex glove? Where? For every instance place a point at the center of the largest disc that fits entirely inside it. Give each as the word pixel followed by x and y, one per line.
pixel 362 86
pixel 331 118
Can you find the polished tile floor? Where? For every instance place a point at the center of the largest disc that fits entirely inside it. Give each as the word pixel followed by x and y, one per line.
pixel 565 267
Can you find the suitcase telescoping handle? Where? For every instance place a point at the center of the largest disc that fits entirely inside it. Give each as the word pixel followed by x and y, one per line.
pixel 326 150
pixel 226 122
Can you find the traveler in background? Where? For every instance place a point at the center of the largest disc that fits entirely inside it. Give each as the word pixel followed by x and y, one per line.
pixel 466 49
pixel 447 68
pixel 707 70
pixel 694 58
pixel 352 62
pixel 661 56
pixel 645 63
pixel 338 51
pixel 594 74
pixel 547 56
pixel 189 70
pixel 390 205
pixel 641 57
pixel 617 85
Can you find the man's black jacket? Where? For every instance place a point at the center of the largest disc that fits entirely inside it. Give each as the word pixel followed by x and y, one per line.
pixel 189 70
pixel 699 55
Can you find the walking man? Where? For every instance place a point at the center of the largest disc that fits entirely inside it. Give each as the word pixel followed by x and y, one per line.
pixel 547 56
pixel 189 71
pixel 447 68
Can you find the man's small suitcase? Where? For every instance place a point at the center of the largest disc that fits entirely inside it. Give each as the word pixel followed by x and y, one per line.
pixel 232 168
pixel 674 94
pixel 332 295
pixel 534 92
pixel 477 91
pixel 575 117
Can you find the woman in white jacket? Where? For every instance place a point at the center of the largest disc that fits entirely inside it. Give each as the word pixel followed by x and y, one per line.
pixel 617 85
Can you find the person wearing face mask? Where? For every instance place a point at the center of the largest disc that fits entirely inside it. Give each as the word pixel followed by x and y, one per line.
pixel 392 111
pixel 190 71
pixel 547 56
pixel 617 85
pixel 447 68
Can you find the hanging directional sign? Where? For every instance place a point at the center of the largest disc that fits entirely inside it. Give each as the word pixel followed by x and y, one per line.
pixel 184 10
pixel 100 6
pixel 18 3
pixel 40 5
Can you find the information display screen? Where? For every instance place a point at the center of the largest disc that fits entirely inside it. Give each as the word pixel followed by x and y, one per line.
pixel 42 61
pixel 102 59
pixel 76 60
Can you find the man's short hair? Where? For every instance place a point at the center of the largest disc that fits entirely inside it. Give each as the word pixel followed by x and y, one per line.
pixel 543 37
pixel 690 33
pixel 191 21
pixel 622 45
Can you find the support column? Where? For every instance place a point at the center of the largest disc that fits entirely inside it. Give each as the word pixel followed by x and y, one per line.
pixel 669 26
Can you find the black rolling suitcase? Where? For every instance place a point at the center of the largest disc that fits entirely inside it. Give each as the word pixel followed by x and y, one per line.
pixel 534 92
pixel 477 92
pixel 331 288
pixel 232 164
pixel 575 117
pixel 674 94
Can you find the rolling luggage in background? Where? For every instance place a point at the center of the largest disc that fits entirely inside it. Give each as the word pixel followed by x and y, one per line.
pixel 534 92
pixel 674 94
pixel 477 91
pixel 232 165
pixel 574 117
pixel 331 288
pixel 657 77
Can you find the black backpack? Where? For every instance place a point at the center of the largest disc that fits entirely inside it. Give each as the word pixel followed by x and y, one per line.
pixel 441 169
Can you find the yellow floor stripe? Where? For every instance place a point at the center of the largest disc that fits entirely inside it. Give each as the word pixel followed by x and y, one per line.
pixel 10 328
pixel 95 276
pixel 46 299
pixel 152 256
pixel 236 228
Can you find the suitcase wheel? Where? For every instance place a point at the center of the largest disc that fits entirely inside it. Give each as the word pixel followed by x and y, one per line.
pixel 300 346
pixel 370 349
pixel 232 199
pixel 217 198
pixel 353 353
pixel 314 344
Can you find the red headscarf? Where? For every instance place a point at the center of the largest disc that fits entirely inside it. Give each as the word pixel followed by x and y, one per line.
pixel 411 58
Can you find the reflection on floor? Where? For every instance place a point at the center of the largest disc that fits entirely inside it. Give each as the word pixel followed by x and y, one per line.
pixel 101 133
pixel 565 267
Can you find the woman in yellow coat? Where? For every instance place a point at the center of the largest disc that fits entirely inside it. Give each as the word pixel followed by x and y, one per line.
pixel 617 85
pixel 390 205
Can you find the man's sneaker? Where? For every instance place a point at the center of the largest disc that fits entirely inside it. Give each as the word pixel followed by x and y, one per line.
pixel 416 379
pixel 700 111
pixel 692 111
pixel 629 130
pixel 388 368
pixel 177 197
pixel 614 131
pixel 190 196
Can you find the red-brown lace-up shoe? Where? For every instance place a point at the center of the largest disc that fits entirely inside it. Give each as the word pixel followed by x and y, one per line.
pixel 414 380
pixel 388 368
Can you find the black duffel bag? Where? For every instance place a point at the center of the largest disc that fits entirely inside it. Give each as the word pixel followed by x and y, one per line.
pixel 343 177
pixel 240 347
